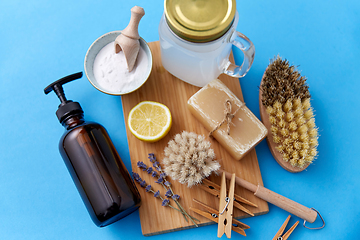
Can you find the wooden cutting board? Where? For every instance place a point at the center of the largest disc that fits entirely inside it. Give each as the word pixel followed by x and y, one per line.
pixel 164 88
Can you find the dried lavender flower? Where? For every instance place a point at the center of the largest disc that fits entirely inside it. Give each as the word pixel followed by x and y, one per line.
pixel 165 202
pixel 160 180
pixel 157 166
pixel 189 158
pixel 175 197
pixel 168 193
pixel 157 194
pixel 154 174
pixel 136 177
pixel 149 170
pixel 152 157
pixel 143 184
pixel 148 188
pixel 142 165
pixel 167 185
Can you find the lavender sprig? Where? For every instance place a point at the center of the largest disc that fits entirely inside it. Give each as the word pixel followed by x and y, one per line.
pixel 169 193
pixel 161 179
pixel 167 185
pixel 148 188
pixel 152 157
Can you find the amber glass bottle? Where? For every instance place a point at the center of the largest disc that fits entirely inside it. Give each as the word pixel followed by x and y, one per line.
pixel 93 162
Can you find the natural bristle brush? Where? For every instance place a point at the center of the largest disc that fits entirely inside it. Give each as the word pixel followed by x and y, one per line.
pixel 286 112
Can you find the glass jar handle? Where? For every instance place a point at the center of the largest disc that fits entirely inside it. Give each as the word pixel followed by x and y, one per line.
pixel 240 41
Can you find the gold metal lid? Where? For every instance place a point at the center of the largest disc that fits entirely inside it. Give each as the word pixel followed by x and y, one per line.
pixel 200 20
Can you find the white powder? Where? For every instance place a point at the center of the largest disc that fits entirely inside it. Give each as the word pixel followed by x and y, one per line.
pixel 111 72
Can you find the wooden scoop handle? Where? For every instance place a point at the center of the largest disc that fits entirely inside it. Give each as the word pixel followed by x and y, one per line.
pixel 280 201
pixel 131 30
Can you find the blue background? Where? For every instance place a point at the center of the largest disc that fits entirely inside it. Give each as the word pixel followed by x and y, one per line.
pixel 42 41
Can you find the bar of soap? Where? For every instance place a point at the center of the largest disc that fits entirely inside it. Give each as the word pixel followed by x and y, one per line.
pixel 246 130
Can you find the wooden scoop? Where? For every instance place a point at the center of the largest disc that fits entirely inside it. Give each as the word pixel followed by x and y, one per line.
pixel 128 40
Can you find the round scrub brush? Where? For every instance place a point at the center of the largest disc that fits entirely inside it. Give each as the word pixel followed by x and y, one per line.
pixel 286 112
pixel 189 158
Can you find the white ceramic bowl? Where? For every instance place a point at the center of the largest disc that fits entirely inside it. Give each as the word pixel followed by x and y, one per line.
pixel 95 49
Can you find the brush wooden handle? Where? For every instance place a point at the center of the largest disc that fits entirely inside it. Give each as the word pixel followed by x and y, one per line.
pixel 287 204
pixel 131 30
pixel 280 201
pixel 241 182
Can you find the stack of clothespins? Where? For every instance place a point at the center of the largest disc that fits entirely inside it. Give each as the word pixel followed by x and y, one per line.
pixel 224 215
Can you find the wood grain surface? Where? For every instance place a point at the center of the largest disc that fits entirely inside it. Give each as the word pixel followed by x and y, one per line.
pixel 164 88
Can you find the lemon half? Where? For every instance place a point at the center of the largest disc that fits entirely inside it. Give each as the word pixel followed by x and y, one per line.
pixel 149 121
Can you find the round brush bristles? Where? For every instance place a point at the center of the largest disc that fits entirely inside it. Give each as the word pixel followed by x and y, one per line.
pixel 297 103
pixel 189 158
pixel 276 139
pixel 288 105
pixel 296 142
pixel 286 98
pixel 284 132
pixel 270 110
pixel 292 126
pixel 290 116
pixel 272 120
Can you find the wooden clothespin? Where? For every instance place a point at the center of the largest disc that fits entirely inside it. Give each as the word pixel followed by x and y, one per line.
pixel 214 189
pixel 279 235
pixel 213 215
pixel 226 205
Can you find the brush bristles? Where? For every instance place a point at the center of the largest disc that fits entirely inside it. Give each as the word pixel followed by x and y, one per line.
pixel 286 98
pixel 296 137
pixel 282 82
pixel 189 158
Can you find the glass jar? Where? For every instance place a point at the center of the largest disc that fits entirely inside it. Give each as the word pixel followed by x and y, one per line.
pixel 196 37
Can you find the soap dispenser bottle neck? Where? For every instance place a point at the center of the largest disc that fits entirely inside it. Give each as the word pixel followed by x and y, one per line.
pixel 73 121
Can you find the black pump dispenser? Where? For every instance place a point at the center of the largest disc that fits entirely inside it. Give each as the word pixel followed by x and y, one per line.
pixel 67 107
pixel 94 164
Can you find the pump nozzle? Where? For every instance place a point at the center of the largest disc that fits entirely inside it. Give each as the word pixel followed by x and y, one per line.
pixel 57 85
pixel 67 107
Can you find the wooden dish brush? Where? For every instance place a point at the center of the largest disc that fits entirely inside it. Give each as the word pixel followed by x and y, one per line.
pixel 287 114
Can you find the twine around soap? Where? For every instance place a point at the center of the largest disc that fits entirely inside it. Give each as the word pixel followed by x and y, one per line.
pixel 227 118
